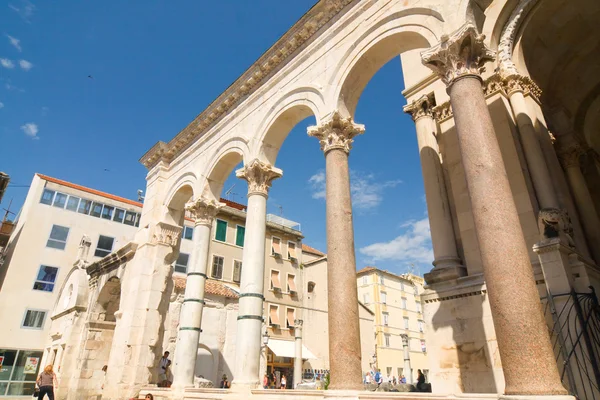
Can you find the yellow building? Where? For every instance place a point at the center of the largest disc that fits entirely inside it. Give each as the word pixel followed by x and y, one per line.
pixel 396 302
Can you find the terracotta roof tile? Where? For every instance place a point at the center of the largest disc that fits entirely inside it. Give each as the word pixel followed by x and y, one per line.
pixel 367 269
pixel 212 287
pixel 311 250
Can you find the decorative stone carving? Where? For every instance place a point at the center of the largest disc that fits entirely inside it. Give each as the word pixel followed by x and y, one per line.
pixel 460 54
pixel 336 133
pixel 443 112
pixel 404 337
pixel 259 176
pixel 422 107
pixel 507 38
pixel 555 223
pixel 163 233
pixel 203 210
pixel 492 85
pixel 83 252
pixel 520 83
pixel 298 323
pixel 569 156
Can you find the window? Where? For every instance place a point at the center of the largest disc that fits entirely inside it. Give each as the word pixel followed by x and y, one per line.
pixel 420 326
pixel 45 279
pixel 384 297
pixel 292 251
pixel 291 284
pixel 416 290
pixel 386 319
pixel 107 212
pixel 382 280
pixel 311 287
pixel 84 207
pixel 73 203
pixel 405 322
pixel 181 264
pixel 240 233
pixel 60 200
pixel 365 280
pixel 275 284
pixel 96 210
pixel 404 303
pixel 366 299
pixel 389 371
pixel 291 316
pixel 187 233
pixel 221 231
pixel 47 196
pixel 387 340
pixel 237 271
pixel 423 346
pixel 400 372
pixel 34 319
pixel 418 303
pixel 275 246
pixel 217 267
pixel 130 218
pixel 104 247
pixel 273 315
pixel 119 215
pixel 58 237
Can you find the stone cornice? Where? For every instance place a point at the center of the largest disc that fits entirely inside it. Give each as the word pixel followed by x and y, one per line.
pixel 302 33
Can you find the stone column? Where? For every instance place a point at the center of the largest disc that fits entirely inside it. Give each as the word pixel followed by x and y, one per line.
pixel 540 175
pixel 525 350
pixel 569 157
pixel 298 353
pixel 249 333
pixel 407 371
pixel 335 136
pixel 190 320
pixel 447 264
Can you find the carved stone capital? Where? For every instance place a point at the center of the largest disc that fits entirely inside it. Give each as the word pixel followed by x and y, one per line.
pixel 167 234
pixel 422 107
pixel 569 154
pixel 203 210
pixel 460 54
pixel 443 112
pixel 555 223
pixel 336 133
pixel 519 83
pixel 259 176
pixel 404 337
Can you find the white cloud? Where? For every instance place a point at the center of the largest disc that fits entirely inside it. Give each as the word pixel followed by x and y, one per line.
pixel 25 65
pixel 1 105
pixel 30 130
pixel 6 63
pixel 414 245
pixel 25 11
pixel 366 193
pixel 15 42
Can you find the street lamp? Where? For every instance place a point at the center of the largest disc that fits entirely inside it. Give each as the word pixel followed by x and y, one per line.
pixel 265 337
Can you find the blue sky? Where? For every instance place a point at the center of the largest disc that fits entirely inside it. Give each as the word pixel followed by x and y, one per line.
pixel 88 88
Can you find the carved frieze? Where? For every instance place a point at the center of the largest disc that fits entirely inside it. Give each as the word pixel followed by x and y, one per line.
pixel 443 112
pixel 507 37
pixel 422 107
pixel 336 133
pixel 460 54
pixel 203 210
pixel 167 234
pixel 259 176
pixel 520 83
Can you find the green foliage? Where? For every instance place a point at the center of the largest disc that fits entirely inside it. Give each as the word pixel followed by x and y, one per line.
pixel 326 381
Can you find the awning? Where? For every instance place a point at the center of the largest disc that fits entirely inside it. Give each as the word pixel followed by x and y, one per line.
pixel 287 348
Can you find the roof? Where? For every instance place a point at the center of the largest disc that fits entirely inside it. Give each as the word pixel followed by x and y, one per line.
pixel 233 204
pixel 212 287
pixel 370 269
pixel 91 191
pixel 311 250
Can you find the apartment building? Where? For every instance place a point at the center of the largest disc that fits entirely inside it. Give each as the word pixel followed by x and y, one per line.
pixel 396 302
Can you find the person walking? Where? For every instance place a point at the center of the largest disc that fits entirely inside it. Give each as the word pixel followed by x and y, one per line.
pixel 163 366
pixel 46 381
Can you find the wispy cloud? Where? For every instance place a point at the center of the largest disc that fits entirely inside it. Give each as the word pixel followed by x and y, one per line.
pixel 25 65
pixel 1 105
pixel 45 111
pixel 412 246
pixel 31 130
pixel 15 42
pixel 6 63
pixel 366 193
pixel 25 9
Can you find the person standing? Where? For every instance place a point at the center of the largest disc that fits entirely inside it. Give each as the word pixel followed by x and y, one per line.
pixel 420 381
pixel 163 366
pixel 266 382
pixel 283 382
pixel 46 381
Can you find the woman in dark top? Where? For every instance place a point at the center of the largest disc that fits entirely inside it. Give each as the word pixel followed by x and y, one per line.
pixel 45 382
pixel 420 381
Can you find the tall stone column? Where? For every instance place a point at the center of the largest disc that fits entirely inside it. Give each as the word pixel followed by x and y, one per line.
pixel 335 136
pixel 250 316
pixel 298 352
pixel 540 174
pixel 190 320
pixel 447 264
pixel 407 371
pixel 569 156
pixel 525 350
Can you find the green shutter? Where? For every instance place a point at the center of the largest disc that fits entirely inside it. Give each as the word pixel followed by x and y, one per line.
pixel 221 234
pixel 239 237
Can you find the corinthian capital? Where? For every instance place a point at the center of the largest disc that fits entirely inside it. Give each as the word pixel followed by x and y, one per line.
pixel 259 176
pixel 519 83
pixel 569 155
pixel 203 210
pixel 459 54
pixel 336 133
pixel 422 107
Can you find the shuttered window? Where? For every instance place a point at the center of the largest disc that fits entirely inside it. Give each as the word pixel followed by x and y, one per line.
pixel 217 267
pixel 221 233
pixel 239 236
pixel 237 271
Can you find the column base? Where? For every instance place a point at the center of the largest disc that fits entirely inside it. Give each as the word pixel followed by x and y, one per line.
pixel 445 270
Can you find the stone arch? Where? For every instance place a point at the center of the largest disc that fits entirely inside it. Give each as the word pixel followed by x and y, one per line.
pixel 292 108
pixel 108 301
pixel 181 192
pixel 226 158
pixel 76 282
pixel 397 33
pixel 205 363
